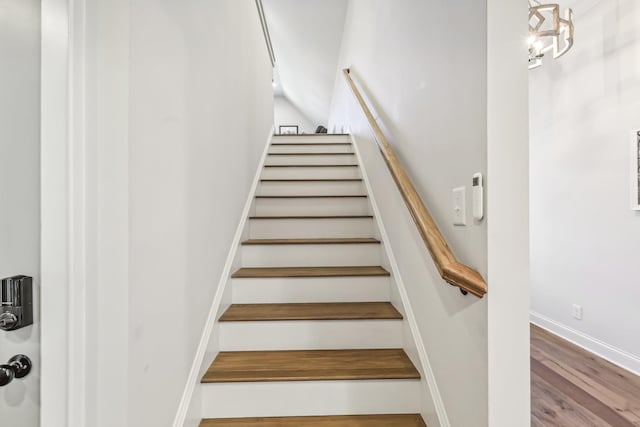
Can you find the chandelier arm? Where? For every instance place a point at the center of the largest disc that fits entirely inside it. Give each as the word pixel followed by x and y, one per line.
pixel 568 45
pixel 546 40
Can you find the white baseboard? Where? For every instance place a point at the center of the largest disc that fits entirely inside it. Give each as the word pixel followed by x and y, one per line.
pixel 606 351
pixel 192 380
pixel 429 376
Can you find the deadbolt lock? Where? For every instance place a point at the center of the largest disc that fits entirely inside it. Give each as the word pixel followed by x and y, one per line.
pixel 16 302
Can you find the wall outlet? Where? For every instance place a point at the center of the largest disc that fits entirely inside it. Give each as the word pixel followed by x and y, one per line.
pixel 576 311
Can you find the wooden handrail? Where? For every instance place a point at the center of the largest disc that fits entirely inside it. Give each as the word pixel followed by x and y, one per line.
pixel 451 270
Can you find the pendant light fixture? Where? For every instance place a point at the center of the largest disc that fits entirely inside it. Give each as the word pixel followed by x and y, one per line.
pixel 549 32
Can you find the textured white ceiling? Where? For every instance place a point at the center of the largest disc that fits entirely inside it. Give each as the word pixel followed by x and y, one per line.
pixel 306 37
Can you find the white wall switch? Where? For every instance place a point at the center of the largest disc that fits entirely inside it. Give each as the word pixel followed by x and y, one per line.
pixel 576 311
pixel 459 206
pixel 478 197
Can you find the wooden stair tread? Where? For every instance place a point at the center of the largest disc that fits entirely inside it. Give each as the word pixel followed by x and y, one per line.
pixel 313 196
pixel 310 365
pixel 303 135
pixel 306 135
pixel 312 144
pixel 313 154
pixel 313 217
pixel 269 272
pixel 319 241
pixel 311 311
pixel 398 420
pixel 311 166
pixel 314 180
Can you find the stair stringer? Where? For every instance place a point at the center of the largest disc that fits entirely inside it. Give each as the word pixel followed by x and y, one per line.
pixel 188 413
pixel 432 406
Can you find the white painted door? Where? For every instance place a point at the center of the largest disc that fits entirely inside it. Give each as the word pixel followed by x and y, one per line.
pixel 20 193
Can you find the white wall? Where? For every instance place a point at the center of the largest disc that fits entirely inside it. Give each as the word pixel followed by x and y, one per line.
pixel 431 100
pixel 179 103
pixel 508 215
pixel 20 192
pixel 452 105
pixel 106 121
pixel 200 113
pixel 585 239
pixel 306 38
pixel 285 113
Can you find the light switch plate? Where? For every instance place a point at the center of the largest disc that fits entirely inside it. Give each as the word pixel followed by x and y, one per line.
pixel 459 206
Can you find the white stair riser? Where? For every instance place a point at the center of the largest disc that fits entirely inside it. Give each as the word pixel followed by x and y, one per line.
pixel 310 228
pixel 310 139
pixel 312 206
pixel 311 160
pixel 311 255
pixel 320 188
pixel 310 335
pixel 311 173
pixel 312 289
pixel 301 398
pixel 311 148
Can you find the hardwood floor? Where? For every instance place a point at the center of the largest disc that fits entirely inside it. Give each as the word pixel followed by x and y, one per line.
pixel 571 387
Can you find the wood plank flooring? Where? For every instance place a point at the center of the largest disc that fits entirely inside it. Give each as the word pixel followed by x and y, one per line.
pixel 335 421
pixel 571 387
pixel 310 365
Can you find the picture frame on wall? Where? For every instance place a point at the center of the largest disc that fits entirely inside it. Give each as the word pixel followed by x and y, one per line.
pixel 288 130
pixel 635 170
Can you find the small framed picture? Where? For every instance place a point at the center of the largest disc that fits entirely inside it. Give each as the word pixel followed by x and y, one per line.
pixel 288 130
pixel 635 170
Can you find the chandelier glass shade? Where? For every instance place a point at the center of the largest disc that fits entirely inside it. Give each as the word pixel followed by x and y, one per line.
pixel 549 32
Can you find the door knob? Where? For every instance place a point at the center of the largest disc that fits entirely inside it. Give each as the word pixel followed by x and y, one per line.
pixel 18 367
pixel 6 375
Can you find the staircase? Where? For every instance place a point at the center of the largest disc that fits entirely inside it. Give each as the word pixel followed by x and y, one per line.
pixel 310 337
